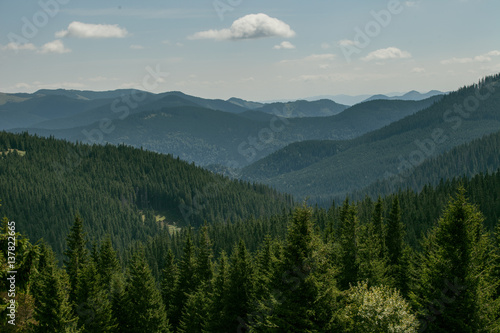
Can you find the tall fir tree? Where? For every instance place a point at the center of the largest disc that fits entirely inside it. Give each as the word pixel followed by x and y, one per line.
pixel 186 281
pixel 77 256
pixel 94 308
pixel 107 261
pixel 349 245
pixel 144 305
pixel 169 281
pixel 450 283
pixel 204 269
pixel 397 252
pixel 218 316
pixel 241 287
pixel 302 300
pixel 53 312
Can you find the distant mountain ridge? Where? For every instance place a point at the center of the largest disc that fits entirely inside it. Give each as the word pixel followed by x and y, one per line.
pixel 409 96
pixel 325 169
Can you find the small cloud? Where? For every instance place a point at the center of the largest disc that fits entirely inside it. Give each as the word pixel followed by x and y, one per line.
pixel 325 46
pixel 412 3
pixel 22 85
pixel 136 47
pixel 56 46
pixel 87 30
pixel 249 27
pixel 347 42
pixel 320 57
pixel 284 45
pixel 18 47
pixel 418 70
pixel 388 53
pixel 313 58
pixel 480 58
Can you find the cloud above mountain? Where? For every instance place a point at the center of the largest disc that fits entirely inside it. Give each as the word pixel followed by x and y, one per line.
pixel 87 30
pixel 386 54
pixel 249 27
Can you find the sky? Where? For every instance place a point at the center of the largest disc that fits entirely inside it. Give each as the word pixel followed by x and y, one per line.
pixel 256 50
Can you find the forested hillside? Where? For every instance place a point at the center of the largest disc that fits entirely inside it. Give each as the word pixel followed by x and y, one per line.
pixel 341 167
pixel 351 268
pixel 116 190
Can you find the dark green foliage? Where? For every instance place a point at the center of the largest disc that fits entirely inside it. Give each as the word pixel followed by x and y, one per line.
pixel 241 287
pixel 348 245
pixel 451 272
pixel 108 262
pixel 52 310
pixel 169 282
pixel 114 188
pixel 77 256
pixel 93 304
pixel 143 304
pixel 186 281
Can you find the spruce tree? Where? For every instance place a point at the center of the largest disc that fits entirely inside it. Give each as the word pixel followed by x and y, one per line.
pixel 397 252
pixel 94 308
pixel 348 241
pixel 240 292
pixel 77 255
pixel 144 306
pixel 204 269
pixel 302 301
pixel 449 291
pixel 52 311
pixel 107 261
pixel 218 317
pixel 186 281
pixel 169 281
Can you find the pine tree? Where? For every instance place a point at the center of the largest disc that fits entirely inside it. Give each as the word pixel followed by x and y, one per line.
pixel 169 281
pixel 77 255
pixel 218 317
pixel 52 312
pixel 195 314
pixel 204 269
pixel 397 256
pixel 107 260
pixel 302 301
pixel 144 306
pixel 348 240
pixel 94 307
pixel 450 287
pixel 186 281
pixel 240 292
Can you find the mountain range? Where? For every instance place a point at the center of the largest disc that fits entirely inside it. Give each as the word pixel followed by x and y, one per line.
pixel 198 130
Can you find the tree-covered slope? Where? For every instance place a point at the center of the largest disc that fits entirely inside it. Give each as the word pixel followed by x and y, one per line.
pixel 457 118
pixel 116 190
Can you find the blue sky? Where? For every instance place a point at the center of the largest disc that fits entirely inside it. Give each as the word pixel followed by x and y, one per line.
pixel 256 50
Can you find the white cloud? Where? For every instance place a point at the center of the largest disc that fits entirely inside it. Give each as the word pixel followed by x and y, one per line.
pixel 311 59
pixel 418 70
pixel 87 30
pixel 136 47
pixel 249 27
pixel 480 58
pixel 18 47
pixel 412 3
pixel 325 46
pixel 22 85
pixel 388 53
pixel 347 42
pixel 284 45
pixel 55 46
pixel 320 57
